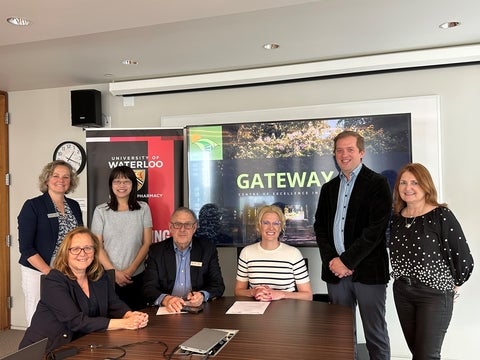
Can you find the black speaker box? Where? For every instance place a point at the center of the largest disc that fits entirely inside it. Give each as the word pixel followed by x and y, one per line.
pixel 86 108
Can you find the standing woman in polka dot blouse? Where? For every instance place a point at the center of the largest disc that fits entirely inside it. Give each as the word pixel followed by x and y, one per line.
pixel 430 259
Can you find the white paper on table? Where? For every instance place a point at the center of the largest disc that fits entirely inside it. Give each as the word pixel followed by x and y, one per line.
pixel 248 307
pixel 162 310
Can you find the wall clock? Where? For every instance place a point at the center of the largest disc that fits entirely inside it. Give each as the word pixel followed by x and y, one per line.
pixel 72 153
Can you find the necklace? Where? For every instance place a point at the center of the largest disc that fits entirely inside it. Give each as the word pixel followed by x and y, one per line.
pixel 407 224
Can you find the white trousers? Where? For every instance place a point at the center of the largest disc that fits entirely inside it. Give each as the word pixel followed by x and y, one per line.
pixel 31 290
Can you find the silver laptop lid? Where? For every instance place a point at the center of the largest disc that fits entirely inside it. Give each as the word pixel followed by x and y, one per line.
pixel 204 340
pixel 33 351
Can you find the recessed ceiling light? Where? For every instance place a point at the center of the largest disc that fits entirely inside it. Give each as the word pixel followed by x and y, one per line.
pixel 271 46
pixel 130 62
pixel 449 24
pixel 19 21
pixel 108 75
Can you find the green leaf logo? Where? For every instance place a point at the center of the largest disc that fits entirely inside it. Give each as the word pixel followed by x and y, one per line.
pixel 205 143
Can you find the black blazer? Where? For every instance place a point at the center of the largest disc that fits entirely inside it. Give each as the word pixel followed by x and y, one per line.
pixel 38 227
pixel 62 313
pixel 160 272
pixel 367 219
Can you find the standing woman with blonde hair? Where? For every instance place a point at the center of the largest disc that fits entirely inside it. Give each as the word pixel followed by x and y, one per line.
pixel 43 222
pixel 430 260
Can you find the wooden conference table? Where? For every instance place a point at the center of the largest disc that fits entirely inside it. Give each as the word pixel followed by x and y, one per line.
pixel 288 329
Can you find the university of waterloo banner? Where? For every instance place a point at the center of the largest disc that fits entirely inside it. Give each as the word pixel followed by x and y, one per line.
pixel 156 156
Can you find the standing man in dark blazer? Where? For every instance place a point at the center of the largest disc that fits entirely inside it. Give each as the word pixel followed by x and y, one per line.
pixel 183 269
pixel 350 224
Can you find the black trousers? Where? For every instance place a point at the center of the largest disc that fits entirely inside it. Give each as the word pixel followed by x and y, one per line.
pixel 371 304
pixel 424 315
pixel 132 294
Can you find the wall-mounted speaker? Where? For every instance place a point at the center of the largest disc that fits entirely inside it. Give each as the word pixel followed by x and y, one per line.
pixel 86 108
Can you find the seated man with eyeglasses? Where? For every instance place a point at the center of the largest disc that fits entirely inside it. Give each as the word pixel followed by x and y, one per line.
pixel 269 269
pixel 183 269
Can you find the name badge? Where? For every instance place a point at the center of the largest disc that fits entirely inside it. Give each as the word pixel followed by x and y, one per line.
pixel 52 215
pixel 196 263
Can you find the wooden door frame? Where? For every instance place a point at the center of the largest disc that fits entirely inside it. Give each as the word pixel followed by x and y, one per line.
pixel 4 218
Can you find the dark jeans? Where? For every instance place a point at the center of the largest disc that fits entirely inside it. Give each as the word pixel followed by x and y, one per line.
pixel 424 315
pixel 132 294
pixel 371 305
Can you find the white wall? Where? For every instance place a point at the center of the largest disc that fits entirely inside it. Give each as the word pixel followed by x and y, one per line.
pixel 41 120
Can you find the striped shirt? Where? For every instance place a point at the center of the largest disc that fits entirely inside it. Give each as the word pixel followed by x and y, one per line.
pixel 280 269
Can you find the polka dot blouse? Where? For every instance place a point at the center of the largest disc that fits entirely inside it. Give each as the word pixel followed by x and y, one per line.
pixel 431 248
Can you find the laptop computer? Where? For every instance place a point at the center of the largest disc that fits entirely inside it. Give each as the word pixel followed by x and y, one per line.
pixel 33 351
pixel 204 341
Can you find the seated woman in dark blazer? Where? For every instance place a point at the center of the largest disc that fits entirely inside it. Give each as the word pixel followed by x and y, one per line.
pixel 77 297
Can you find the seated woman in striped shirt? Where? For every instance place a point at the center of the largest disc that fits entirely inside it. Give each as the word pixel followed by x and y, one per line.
pixel 269 269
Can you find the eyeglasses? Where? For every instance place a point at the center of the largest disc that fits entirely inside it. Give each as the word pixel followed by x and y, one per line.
pixel 186 226
pixel 122 182
pixel 77 250
pixel 274 223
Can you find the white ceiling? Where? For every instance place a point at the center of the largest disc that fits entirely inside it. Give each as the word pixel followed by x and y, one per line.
pixel 78 42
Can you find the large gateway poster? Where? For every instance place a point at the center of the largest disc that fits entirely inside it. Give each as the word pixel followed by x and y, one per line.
pixel 234 169
pixel 156 156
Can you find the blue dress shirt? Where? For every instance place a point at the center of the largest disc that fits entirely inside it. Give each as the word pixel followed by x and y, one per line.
pixel 344 193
